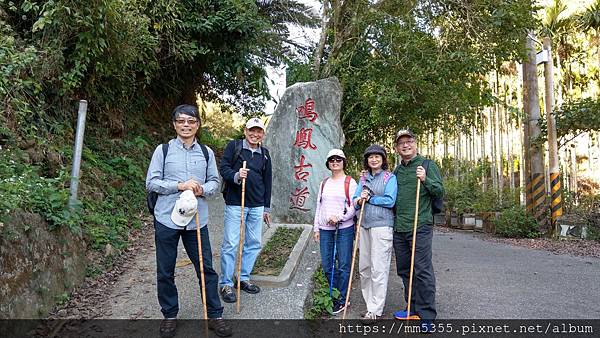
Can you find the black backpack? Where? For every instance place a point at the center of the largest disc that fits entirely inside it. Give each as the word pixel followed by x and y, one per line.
pixel 152 196
pixel 238 150
pixel 437 203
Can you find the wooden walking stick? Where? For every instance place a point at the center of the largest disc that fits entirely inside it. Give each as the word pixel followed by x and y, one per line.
pixel 202 284
pixel 412 254
pixel 241 244
pixel 354 250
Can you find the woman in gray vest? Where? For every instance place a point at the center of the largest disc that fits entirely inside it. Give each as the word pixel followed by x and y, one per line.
pixel 377 188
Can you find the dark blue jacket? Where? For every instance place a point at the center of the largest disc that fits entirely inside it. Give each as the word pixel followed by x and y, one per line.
pixel 258 182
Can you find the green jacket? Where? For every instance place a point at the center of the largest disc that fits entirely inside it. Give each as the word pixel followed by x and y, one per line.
pixel 407 193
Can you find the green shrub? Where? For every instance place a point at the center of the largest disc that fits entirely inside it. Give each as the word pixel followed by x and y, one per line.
pixel 322 302
pixel 515 222
pixel 22 187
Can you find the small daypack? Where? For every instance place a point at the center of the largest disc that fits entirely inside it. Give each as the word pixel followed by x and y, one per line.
pixel 152 196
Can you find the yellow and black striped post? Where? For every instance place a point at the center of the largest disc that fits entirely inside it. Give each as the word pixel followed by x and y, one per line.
pixel 528 199
pixel 538 198
pixel 556 204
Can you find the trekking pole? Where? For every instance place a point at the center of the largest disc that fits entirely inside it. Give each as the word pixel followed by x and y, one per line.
pixel 333 259
pixel 412 254
pixel 240 247
pixel 202 284
pixel 354 250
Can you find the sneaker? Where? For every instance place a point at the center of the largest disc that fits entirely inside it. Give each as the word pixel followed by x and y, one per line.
pixel 369 318
pixel 220 327
pixel 339 307
pixel 402 315
pixel 168 327
pixel 245 285
pixel 227 294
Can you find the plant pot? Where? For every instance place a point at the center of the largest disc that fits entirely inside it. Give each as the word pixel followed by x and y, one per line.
pixel 439 219
pixel 468 222
pixel 478 223
pixel 454 221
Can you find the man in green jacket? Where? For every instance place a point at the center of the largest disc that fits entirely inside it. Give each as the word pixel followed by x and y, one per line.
pixel 411 169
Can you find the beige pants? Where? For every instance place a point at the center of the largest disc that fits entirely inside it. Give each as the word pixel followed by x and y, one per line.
pixel 374 264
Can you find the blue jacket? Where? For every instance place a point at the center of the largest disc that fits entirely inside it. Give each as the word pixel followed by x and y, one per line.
pixel 258 182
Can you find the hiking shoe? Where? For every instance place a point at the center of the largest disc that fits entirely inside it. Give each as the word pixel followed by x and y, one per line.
pixel 369 318
pixel 219 326
pixel 168 327
pixel 245 285
pixel 339 307
pixel 227 294
pixel 402 315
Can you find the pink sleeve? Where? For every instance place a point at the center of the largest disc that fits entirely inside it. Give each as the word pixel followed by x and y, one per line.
pixel 318 209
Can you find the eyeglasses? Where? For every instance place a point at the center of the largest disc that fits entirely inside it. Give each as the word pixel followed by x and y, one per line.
pixel 336 159
pixel 191 122
pixel 402 143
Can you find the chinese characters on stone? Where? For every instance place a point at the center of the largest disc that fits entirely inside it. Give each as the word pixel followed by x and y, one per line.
pixel 300 195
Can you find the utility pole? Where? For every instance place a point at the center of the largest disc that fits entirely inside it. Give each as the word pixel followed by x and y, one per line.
pixel 526 163
pixel 537 162
pixel 556 203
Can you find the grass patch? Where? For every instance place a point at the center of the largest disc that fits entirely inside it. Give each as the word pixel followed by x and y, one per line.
pixel 276 252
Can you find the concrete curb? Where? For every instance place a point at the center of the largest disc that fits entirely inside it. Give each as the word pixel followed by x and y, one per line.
pixel 288 271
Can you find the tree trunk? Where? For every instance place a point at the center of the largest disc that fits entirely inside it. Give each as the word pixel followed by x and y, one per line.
pixel 537 159
pixel 322 40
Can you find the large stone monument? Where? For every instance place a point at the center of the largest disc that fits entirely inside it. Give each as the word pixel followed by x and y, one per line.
pixel 305 126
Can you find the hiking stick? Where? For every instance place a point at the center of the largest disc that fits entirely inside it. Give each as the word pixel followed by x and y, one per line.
pixel 201 269
pixel 412 254
pixel 241 244
pixel 354 250
pixel 333 259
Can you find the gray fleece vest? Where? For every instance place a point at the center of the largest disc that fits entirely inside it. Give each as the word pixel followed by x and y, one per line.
pixel 374 215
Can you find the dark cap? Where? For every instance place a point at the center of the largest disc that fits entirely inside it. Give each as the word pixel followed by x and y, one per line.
pixel 375 149
pixel 404 132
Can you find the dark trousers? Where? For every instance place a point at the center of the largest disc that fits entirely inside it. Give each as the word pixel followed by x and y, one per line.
pixel 423 286
pixel 166 240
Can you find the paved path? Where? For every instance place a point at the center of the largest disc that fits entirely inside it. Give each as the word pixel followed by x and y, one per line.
pixel 478 279
pixel 134 295
pixel 475 279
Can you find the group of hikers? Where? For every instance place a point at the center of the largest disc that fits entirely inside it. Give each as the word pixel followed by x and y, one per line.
pixel 183 172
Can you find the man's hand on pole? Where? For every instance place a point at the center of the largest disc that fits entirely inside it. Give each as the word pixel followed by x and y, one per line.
pixel 421 173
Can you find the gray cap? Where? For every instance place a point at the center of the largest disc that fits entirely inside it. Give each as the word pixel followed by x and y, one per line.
pixel 404 132
pixel 375 149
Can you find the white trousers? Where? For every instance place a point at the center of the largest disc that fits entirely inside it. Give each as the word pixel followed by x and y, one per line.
pixel 374 265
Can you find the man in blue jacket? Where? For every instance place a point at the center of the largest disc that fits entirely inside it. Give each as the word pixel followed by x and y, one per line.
pixel 257 204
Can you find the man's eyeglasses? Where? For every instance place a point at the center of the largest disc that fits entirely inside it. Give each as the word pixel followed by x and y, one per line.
pixel 336 159
pixel 191 122
pixel 402 143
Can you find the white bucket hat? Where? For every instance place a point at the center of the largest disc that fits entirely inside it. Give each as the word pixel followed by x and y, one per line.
pixel 185 208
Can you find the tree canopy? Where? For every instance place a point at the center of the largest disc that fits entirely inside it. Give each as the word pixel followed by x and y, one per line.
pixel 129 56
pixel 418 64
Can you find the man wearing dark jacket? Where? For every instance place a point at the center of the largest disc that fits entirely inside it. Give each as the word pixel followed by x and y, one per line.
pixel 257 204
